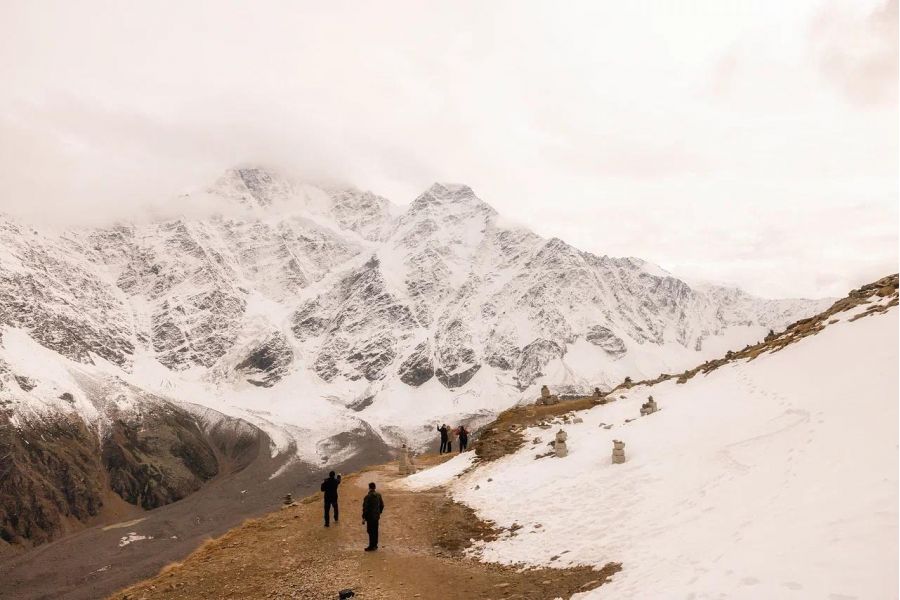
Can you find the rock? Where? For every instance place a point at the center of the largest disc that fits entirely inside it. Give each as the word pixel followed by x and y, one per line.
pixel 533 358
pixel 25 383
pixel 607 340
pixel 267 362
pixel 418 367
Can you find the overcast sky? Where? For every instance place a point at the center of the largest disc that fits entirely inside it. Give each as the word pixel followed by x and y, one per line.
pixel 753 143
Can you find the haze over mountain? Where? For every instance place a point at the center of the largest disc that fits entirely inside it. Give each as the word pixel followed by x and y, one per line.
pixel 736 142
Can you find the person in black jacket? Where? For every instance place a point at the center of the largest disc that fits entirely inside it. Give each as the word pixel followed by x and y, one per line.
pixel 372 507
pixel 330 488
pixel 444 431
pixel 463 438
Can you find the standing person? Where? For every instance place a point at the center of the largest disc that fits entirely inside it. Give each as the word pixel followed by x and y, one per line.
pixel 373 506
pixel 451 434
pixel 463 438
pixel 330 488
pixel 443 429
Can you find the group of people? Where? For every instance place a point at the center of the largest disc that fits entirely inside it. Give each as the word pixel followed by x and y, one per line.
pixel 448 435
pixel 372 507
pixel 373 503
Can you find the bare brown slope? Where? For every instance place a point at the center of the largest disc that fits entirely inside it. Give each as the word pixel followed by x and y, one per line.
pixel 93 562
pixel 289 554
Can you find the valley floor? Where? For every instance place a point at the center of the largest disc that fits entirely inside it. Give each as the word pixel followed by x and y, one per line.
pixel 289 554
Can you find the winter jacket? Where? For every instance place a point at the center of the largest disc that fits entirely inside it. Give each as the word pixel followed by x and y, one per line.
pixel 443 431
pixel 330 487
pixel 372 507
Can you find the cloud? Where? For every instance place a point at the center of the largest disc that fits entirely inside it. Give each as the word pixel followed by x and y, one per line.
pixel 858 54
pixel 685 135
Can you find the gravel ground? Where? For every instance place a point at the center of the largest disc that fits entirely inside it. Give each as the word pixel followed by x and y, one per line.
pixel 289 554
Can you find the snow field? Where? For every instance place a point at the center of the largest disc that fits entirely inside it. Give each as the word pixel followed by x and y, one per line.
pixel 773 478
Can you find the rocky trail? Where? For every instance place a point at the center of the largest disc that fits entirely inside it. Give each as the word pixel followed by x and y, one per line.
pixel 289 554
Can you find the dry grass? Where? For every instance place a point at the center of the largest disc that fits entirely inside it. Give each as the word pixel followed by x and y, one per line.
pixel 505 434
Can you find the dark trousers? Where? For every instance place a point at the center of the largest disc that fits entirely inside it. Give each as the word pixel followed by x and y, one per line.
pixel 443 447
pixel 372 529
pixel 328 504
pixel 449 446
pixel 463 444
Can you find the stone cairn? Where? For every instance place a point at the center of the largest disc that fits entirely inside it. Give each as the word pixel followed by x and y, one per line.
pixel 599 397
pixel 649 407
pixel 618 453
pixel 546 397
pixel 560 444
pixel 288 500
pixel 407 467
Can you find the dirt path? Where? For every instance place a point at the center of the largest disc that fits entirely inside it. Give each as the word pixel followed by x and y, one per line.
pixel 289 554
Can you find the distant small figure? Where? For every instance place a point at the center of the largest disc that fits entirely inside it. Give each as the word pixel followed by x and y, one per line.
pixel 451 435
pixel 463 438
pixel 443 429
pixel 330 489
pixel 373 506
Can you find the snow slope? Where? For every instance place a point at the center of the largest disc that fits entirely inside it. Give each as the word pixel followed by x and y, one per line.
pixel 769 478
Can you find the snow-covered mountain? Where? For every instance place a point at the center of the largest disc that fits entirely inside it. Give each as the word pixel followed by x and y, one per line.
pixel 772 475
pixel 310 312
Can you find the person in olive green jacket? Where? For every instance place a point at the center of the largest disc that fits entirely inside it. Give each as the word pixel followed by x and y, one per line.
pixel 372 507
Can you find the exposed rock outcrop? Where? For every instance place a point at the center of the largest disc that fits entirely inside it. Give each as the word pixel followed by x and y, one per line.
pixel 268 362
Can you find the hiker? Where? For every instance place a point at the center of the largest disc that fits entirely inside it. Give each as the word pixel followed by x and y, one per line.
pixel 330 488
pixel 372 508
pixel 463 438
pixel 451 434
pixel 443 429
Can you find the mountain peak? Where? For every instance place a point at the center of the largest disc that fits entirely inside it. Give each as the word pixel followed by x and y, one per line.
pixel 252 186
pixel 450 195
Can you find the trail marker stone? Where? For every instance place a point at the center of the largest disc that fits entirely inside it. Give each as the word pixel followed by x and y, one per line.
pixel 618 453
pixel 406 466
pixel 649 407
pixel 559 445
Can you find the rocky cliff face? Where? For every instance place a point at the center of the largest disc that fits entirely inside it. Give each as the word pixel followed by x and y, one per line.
pixel 441 290
pixel 59 469
pixel 312 312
